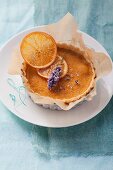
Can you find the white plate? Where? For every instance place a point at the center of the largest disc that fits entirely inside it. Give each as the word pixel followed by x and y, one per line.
pixel 16 100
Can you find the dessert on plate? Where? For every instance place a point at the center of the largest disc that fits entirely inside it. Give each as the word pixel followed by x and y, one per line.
pixel 58 70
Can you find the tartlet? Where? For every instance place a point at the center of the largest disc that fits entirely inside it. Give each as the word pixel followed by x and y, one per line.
pixel 71 89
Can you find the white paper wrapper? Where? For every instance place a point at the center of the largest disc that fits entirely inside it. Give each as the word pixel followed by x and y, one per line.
pixel 65 31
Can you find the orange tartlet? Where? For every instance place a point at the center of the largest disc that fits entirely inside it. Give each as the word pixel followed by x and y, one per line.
pixel 76 81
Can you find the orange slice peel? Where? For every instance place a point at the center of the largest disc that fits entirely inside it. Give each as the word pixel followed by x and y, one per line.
pixel 59 62
pixel 38 49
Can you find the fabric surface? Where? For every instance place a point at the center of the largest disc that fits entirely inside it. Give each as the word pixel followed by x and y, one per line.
pixel 88 146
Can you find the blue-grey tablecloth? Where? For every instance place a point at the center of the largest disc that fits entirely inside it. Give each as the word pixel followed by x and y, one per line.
pixel 88 146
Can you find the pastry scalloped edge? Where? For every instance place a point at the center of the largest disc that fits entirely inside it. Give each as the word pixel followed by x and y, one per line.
pixel 64 104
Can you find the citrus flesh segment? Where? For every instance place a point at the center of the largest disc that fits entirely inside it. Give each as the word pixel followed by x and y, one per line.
pixel 59 62
pixel 38 49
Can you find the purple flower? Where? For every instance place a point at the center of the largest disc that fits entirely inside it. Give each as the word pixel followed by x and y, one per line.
pixel 54 77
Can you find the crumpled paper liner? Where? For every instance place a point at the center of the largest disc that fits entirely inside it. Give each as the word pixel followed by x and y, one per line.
pixel 66 31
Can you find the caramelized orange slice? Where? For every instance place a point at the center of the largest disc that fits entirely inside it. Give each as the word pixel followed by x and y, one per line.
pixel 38 49
pixel 59 62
